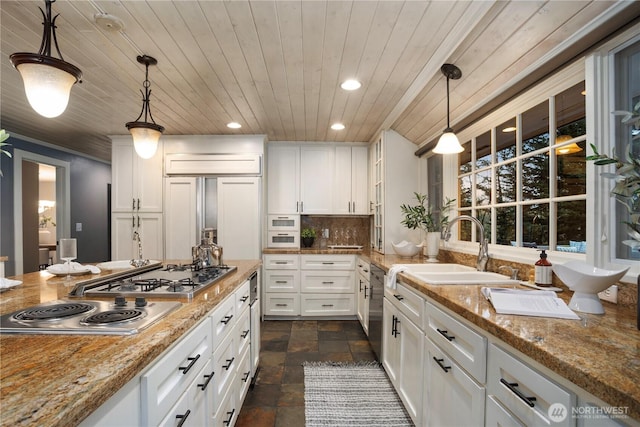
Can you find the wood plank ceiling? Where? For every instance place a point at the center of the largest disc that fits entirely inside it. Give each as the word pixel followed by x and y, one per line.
pixel 275 66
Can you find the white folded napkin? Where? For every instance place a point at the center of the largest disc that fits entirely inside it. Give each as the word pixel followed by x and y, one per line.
pixel 8 283
pixel 75 267
pixel 391 275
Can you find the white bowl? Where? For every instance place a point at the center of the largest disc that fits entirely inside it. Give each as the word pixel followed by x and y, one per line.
pixel 406 249
pixel 586 281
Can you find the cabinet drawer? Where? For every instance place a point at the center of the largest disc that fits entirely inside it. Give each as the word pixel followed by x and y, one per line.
pixel 468 348
pixel 243 376
pixel 281 262
pixel 225 361
pixel 525 392
pixel 327 262
pixel 226 413
pixel 223 318
pixel 163 384
pixel 498 416
pixel 283 222
pixel 327 281
pixel 327 305
pixel 283 239
pixel 242 331
pixel 409 302
pixel 363 267
pixel 242 296
pixel 282 280
pixel 191 407
pixel 282 304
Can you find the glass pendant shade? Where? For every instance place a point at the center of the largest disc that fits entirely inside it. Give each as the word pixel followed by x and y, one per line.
pixel 47 87
pixel 566 149
pixel 448 143
pixel 145 138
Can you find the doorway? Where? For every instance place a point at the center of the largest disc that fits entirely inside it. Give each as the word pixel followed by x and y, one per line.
pixel 26 227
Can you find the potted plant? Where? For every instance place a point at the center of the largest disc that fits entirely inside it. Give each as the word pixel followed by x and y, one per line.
pixel 308 236
pixel 421 216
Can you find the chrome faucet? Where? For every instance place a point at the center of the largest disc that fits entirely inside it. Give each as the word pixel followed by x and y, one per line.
pixel 483 255
pixel 138 262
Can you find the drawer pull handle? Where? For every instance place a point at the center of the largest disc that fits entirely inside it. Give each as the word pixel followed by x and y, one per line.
pixel 281 262
pixel 365 292
pixel 281 281
pixel 366 271
pixel 207 380
pixel 327 283
pixel 244 333
pixel 281 305
pixel 445 334
pixel 394 326
pixel 229 363
pixel 327 263
pixel 512 386
pixel 244 298
pixel 246 376
pixel 327 305
pixel 226 319
pixel 441 364
pixel 183 418
pixel 192 361
pixel 228 421
pixel 398 297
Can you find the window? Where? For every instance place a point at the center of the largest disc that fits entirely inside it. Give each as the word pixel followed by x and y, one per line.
pixel 525 177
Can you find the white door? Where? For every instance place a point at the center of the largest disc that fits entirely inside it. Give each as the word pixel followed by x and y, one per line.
pixel 239 218
pixel 283 180
pixel 181 232
pixel 342 200
pixel 390 342
pixel 360 180
pixel 410 385
pixel 316 180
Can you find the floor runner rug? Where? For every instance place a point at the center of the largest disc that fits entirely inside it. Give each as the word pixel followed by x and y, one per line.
pixel 342 394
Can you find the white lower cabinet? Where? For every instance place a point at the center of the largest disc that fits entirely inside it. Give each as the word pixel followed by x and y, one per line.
pixel 452 396
pixel 327 304
pixel 363 293
pixel 403 357
pixel 191 408
pixel 531 397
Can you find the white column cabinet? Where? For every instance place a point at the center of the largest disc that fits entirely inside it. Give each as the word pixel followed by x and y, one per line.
pixel 351 182
pixel 180 232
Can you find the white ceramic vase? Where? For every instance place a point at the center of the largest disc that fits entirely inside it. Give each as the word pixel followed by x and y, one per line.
pixel 432 246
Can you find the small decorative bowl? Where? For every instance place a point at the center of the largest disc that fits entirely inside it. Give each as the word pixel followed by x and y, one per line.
pixel 586 281
pixel 406 249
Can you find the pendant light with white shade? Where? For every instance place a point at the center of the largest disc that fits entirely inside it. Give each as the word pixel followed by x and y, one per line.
pixel 448 142
pixel 145 134
pixel 47 80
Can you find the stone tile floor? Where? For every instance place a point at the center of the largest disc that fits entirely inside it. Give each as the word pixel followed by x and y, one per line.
pixel 277 399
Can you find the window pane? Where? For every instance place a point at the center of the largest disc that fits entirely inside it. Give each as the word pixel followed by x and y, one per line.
pixel 572 226
pixel 484 215
pixel 535 226
pixel 483 150
pixel 570 111
pixel 464 192
pixel 506 226
pixel 535 177
pixel 506 140
pixel 483 188
pixel 535 128
pixel 464 160
pixel 506 183
pixel 572 172
pixel 464 230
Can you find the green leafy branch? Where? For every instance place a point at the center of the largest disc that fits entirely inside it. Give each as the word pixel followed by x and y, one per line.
pixel 422 215
pixel 3 137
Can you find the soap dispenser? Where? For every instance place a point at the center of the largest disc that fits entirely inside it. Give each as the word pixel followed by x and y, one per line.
pixel 543 270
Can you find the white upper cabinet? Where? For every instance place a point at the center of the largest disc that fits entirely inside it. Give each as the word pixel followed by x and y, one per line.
pixel 283 179
pixel 136 182
pixel 316 179
pixel 350 190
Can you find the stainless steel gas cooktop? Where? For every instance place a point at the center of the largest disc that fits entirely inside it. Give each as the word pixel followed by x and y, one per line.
pixel 85 317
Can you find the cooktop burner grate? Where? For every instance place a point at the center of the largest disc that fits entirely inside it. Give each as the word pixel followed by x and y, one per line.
pixel 111 316
pixel 52 312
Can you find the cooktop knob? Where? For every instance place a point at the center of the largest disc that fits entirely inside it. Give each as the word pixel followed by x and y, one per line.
pixel 141 302
pixel 121 301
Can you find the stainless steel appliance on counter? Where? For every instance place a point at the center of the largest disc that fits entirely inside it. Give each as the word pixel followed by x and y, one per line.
pixel 376 297
pixel 172 281
pixel 85 317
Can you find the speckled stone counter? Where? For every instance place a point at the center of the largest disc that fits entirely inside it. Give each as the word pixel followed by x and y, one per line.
pixel 313 251
pixel 58 380
pixel 600 354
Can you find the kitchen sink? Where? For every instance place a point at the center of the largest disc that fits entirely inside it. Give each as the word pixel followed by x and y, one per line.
pixel 455 274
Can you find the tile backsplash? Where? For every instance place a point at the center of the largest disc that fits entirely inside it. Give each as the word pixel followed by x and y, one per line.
pixel 342 230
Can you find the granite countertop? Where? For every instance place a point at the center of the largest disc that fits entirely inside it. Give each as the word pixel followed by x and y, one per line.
pixel 313 251
pixel 599 353
pixel 57 380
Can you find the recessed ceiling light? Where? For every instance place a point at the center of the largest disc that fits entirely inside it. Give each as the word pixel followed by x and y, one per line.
pixel 234 125
pixel 509 129
pixel 337 126
pixel 350 84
